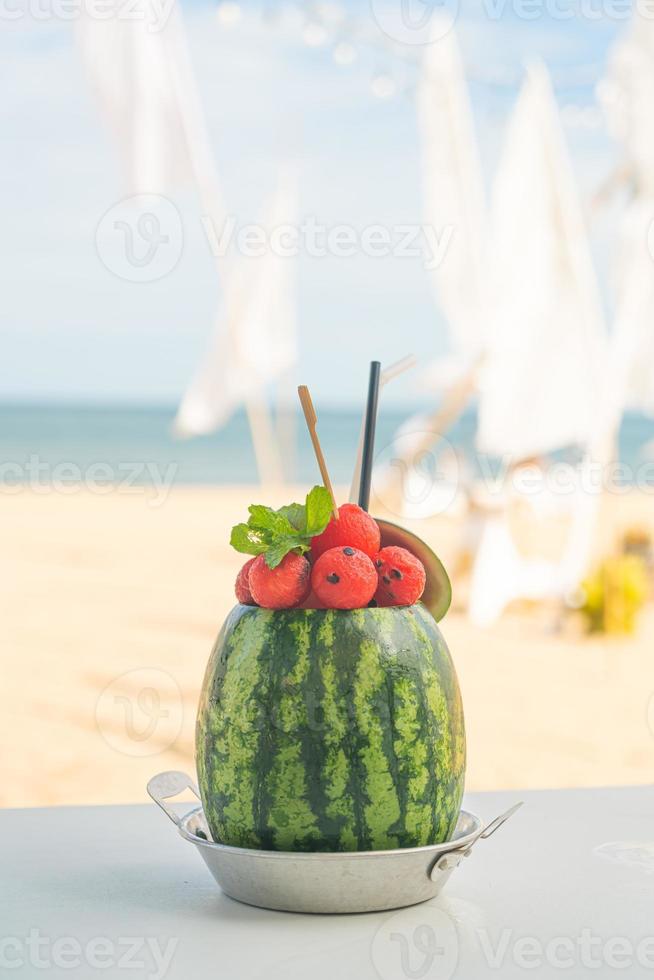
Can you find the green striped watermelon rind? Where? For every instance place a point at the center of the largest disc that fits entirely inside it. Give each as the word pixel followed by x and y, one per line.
pixel 330 730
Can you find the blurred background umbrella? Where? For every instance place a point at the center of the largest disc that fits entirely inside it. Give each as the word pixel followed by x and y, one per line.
pixel 254 344
pixel 545 331
pixel 146 87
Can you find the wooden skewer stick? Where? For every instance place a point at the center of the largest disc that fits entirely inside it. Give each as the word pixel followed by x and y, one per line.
pixel 312 421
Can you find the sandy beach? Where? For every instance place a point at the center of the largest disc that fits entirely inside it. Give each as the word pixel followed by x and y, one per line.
pixel 110 606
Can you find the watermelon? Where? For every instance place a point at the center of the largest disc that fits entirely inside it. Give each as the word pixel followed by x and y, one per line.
pixel 330 730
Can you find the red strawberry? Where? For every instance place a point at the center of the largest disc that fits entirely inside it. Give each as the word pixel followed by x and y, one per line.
pixel 401 577
pixel 282 587
pixel 242 588
pixel 355 528
pixel 344 578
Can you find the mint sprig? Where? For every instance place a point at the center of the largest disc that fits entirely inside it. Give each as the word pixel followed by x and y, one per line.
pixel 274 533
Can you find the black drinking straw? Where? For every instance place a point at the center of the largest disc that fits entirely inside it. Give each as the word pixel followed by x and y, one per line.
pixel 369 435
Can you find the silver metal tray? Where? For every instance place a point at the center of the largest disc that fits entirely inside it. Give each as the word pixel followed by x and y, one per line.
pixel 353 881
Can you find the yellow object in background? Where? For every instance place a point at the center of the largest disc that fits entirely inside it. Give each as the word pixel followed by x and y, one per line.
pixel 614 594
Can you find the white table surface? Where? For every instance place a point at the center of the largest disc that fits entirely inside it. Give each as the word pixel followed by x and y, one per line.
pixel 114 892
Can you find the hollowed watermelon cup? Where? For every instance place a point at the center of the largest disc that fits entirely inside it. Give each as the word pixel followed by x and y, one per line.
pixel 330 730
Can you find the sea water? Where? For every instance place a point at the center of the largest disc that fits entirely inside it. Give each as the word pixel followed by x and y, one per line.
pixel 66 443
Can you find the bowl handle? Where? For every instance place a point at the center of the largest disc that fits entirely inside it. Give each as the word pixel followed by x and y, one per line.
pixel 165 785
pixel 452 859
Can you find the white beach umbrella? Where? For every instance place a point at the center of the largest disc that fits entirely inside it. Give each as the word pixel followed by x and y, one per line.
pixel 627 93
pixel 254 341
pixel 632 341
pixel 139 67
pixel 141 70
pixel 455 208
pixel 453 191
pixel 541 380
pixel 628 96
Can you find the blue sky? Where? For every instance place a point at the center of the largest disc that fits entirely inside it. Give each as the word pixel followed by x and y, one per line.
pixel 73 331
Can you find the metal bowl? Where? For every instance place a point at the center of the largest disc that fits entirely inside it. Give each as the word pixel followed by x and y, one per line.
pixel 353 881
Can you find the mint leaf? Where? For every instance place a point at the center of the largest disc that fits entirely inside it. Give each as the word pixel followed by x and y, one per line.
pixel 296 514
pixel 248 541
pixel 274 533
pixel 266 519
pixel 281 547
pixel 319 510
